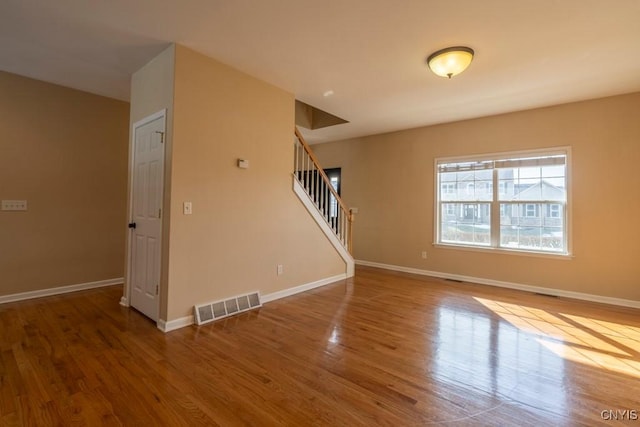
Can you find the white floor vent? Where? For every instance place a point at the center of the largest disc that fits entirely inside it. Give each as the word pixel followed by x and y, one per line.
pixel 209 312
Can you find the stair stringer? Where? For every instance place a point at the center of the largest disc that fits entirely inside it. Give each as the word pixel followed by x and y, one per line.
pixel 324 226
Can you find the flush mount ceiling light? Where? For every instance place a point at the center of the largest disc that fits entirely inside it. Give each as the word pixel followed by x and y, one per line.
pixel 450 61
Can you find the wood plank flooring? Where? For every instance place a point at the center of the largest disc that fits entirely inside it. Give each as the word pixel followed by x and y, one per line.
pixel 384 348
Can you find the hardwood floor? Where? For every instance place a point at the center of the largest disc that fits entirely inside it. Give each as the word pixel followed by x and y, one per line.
pixel 386 348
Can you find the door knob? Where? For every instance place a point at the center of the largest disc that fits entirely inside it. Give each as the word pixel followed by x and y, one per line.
pixel 132 225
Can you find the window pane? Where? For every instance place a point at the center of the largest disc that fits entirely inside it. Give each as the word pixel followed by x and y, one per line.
pixel 558 183
pixel 553 172
pixel 520 237
pixel 508 173
pixel 507 179
pixel 464 186
pixel 530 173
pixel 484 190
pixel 448 191
pixel 521 184
pixel 449 211
pixel 527 189
pixel 467 176
pixel 535 226
pixel 484 175
pixel 553 239
pixel 466 223
pixel 447 177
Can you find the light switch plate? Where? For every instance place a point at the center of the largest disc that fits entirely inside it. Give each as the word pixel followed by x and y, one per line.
pixel 14 205
pixel 187 208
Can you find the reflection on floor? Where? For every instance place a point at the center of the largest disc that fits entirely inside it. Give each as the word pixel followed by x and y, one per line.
pixel 482 353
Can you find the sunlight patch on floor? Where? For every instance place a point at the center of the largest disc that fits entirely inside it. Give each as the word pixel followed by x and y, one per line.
pixel 624 334
pixel 594 342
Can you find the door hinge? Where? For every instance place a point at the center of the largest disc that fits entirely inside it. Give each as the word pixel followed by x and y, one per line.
pixel 156 289
pixel 159 213
pixel 161 136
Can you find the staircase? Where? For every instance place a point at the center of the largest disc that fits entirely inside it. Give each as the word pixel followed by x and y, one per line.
pixel 314 189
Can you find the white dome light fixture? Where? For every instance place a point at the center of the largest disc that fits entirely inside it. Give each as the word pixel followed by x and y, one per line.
pixel 450 61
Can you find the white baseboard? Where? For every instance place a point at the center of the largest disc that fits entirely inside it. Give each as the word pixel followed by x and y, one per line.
pixel 59 290
pixel 182 322
pixel 174 324
pixel 528 288
pixel 124 301
pixel 302 288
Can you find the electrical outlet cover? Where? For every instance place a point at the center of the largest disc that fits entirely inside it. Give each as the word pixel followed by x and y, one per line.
pixel 14 205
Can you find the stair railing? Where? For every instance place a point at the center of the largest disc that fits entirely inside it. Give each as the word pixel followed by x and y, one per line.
pixel 318 186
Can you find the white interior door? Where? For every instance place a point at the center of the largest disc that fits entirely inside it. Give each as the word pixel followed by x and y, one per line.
pixel 146 212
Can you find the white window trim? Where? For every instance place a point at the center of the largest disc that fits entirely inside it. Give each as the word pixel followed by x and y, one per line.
pixel 505 251
pixel 568 206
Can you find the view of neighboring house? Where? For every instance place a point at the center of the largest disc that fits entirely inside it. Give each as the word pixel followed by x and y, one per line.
pixel 531 206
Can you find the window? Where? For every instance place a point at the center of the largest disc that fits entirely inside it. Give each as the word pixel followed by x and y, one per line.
pixel 553 211
pixel 471 189
pixel 501 188
pixel 531 210
pixel 528 213
pixel 448 188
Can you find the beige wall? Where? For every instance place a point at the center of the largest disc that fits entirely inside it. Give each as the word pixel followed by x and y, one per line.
pixel 65 152
pixel 390 178
pixel 244 222
pixel 151 92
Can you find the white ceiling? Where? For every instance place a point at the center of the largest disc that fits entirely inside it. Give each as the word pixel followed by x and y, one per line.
pixel 370 53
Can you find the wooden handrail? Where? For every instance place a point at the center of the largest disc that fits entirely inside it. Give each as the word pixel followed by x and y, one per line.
pixel 316 163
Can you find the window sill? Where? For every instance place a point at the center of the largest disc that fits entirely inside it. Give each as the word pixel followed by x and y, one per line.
pixel 503 251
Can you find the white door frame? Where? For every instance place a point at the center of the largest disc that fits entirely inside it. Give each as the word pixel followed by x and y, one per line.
pixel 126 298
